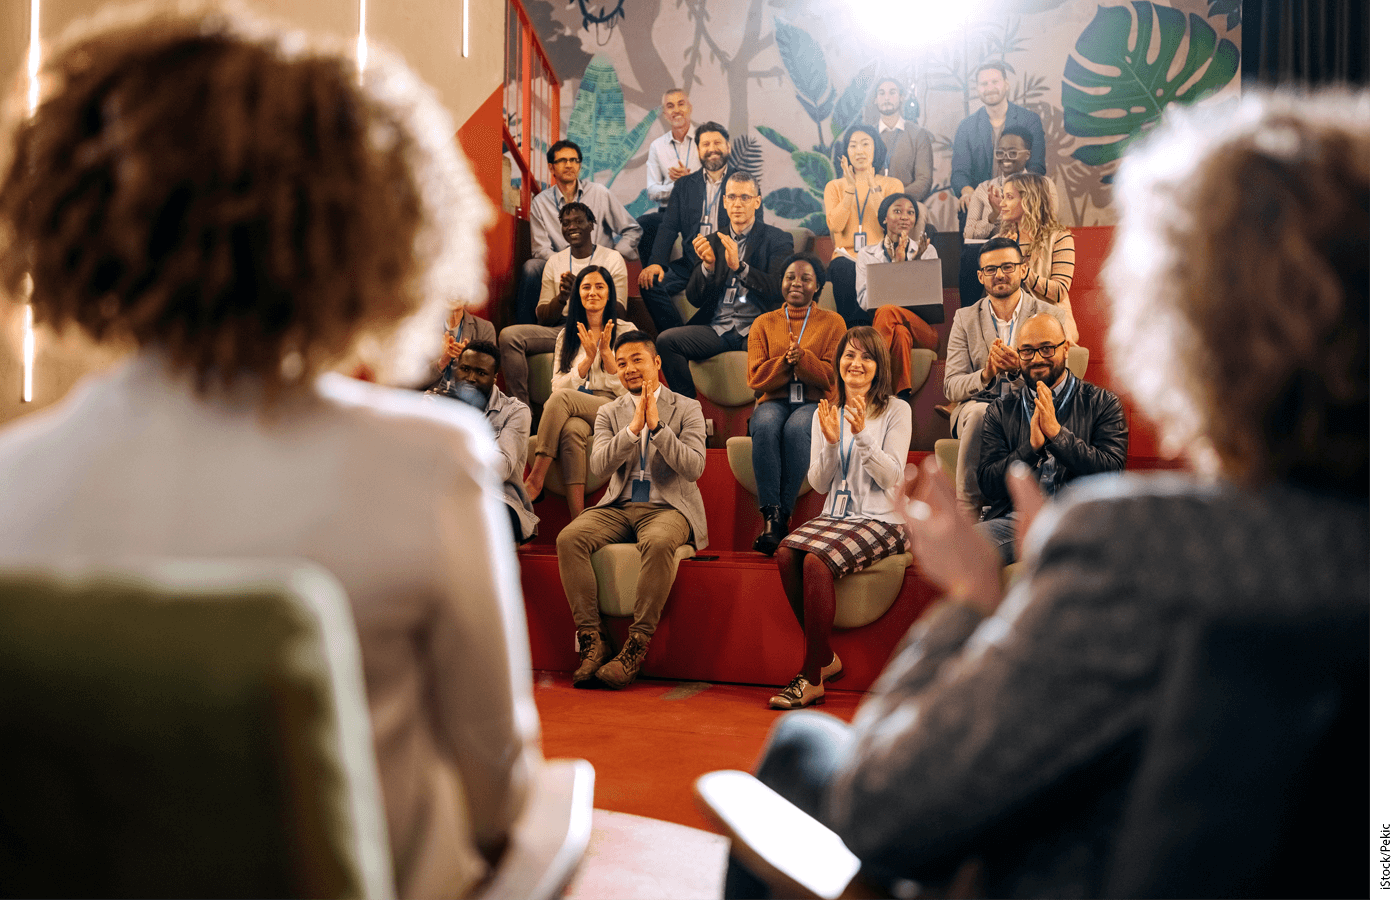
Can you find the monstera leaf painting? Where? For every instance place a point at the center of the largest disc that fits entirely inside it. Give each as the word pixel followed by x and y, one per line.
pixel 1171 59
pixel 848 109
pixel 806 64
pixel 598 123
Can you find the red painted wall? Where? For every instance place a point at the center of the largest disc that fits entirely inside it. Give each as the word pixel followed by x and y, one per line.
pixel 480 137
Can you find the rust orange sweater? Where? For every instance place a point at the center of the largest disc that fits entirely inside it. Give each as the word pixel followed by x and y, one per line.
pixel 769 339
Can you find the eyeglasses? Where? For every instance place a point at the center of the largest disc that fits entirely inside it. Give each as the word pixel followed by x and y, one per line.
pixel 1046 352
pixel 1004 268
pixel 739 198
pixel 1007 154
pixel 567 160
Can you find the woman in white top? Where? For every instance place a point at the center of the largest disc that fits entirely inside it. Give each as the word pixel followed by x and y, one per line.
pixel 585 378
pixel 899 216
pixel 859 446
pixel 244 212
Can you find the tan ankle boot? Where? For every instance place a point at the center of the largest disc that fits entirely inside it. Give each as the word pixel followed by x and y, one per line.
pixel 623 670
pixel 592 651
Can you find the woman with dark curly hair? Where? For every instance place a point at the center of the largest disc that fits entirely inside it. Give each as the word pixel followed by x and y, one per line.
pixel 225 197
pixel 585 378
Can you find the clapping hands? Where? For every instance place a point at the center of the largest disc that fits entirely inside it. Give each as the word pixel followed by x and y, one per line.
pixel 1044 424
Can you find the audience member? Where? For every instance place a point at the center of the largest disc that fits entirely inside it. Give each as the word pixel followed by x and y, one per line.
pixel 652 442
pixel 669 159
pixel 460 329
pixel 984 211
pixel 977 136
pixel 790 354
pixel 161 199
pixel 859 446
pixel 576 221
pixel 981 365
pixel 615 229
pixel 695 208
pixel 586 376
pixel 852 205
pixel 1035 715
pixel 737 281
pixel 908 148
pixel 472 379
pixel 1061 426
pixel 1028 216
pixel 902 330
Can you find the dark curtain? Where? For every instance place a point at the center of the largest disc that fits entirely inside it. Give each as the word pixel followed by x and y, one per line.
pixel 1307 43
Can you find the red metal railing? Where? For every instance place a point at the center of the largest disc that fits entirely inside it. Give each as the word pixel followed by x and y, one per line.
pixel 531 108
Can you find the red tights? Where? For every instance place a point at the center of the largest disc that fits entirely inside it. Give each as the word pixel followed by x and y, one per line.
pixel 811 592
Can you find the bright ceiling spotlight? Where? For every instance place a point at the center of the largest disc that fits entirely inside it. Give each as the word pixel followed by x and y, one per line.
pixel 911 24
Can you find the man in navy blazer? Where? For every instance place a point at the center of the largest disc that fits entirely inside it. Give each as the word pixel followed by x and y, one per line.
pixel 976 137
pixel 736 281
pixel 696 206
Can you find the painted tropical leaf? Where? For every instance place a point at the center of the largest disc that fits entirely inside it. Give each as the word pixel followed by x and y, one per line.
pixel 640 205
pixel 1141 83
pixel 803 58
pixel 598 123
pixel 818 111
pixel 848 108
pixel 792 203
pixel 816 223
pixel 814 168
pixel 1230 9
pixel 746 154
pixel 778 140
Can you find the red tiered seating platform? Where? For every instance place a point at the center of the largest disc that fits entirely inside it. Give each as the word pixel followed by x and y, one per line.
pixel 727 619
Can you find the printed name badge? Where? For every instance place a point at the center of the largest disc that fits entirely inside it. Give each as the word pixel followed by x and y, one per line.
pixel 860 240
pixel 641 490
pixel 841 503
pixel 795 392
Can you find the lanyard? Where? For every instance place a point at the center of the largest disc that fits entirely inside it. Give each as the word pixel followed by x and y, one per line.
pixel 688 144
pixel 842 450
pixel 860 207
pixel 1011 337
pixel 1027 407
pixel 590 259
pixel 710 204
pixel 787 312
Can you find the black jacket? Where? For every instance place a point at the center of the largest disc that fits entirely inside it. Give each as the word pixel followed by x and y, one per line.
pixel 684 212
pixel 1093 438
pixel 764 252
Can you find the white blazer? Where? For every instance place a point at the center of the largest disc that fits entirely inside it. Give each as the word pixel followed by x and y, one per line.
pixel 397 498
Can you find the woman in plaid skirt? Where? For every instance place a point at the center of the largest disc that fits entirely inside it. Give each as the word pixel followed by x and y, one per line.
pixel 859 446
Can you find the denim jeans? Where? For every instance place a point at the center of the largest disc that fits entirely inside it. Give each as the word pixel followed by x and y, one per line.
pixel 1001 533
pixel 782 450
pixel 678 346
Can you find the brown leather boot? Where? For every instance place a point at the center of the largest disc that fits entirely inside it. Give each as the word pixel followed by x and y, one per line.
pixel 624 667
pixel 592 651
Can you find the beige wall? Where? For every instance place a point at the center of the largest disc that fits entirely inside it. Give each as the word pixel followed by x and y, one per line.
pixel 428 33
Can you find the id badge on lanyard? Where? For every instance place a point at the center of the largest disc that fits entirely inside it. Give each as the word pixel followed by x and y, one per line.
pixel 795 392
pixel 641 485
pixel 859 241
pixel 841 500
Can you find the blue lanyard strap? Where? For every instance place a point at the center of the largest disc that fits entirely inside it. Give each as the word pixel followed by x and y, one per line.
pixel 590 259
pixel 710 204
pixel 841 450
pixel 860 207
pixel 787 312
pixel 688 145
pixel 1028 407
pixel 1011 336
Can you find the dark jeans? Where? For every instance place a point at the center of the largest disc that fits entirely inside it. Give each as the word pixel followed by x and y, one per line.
pixel 678 346
pixel 658 296
pixel 1001 533
pixel 804 751
pixel 527 296
pixel 842 274
pixel 782 450
pixel 650 223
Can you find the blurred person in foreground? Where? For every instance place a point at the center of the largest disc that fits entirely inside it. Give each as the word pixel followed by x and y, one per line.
pixel 221 194
pixel 1013 731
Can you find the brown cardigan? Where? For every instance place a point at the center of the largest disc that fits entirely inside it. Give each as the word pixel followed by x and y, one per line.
pixel 769 338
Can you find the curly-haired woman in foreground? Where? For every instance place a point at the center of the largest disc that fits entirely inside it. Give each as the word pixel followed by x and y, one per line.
pixel 227 199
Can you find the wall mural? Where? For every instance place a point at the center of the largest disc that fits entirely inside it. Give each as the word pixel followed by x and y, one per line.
pixel 787 77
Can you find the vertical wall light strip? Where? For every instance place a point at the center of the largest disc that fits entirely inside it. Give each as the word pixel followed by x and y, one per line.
pixel 361 45
pixel 466 19
pixel 27 390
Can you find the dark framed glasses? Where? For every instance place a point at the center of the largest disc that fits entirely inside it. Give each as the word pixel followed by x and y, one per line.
pixel 1047 351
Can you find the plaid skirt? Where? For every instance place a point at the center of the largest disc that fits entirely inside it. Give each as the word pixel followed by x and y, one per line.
pixel 848 545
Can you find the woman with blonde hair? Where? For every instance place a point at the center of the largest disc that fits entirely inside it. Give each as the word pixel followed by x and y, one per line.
pixel 248 209
pixel 1028 216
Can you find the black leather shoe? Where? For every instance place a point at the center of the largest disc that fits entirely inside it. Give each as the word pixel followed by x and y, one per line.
pixel 775 523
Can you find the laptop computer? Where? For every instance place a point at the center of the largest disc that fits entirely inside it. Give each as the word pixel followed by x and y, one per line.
pixel 916 285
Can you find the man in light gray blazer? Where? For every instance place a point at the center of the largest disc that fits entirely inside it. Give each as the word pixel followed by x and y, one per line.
pixel 981 364
pixel 652 442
